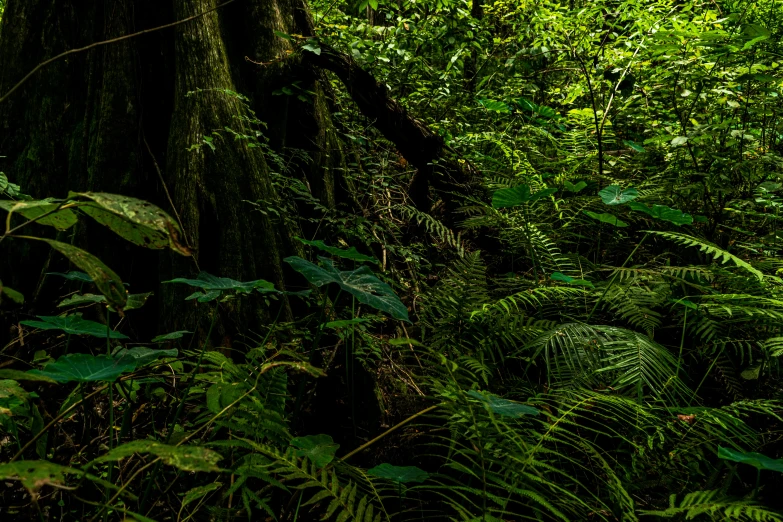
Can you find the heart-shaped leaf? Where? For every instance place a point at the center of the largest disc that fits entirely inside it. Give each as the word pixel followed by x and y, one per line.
pixel 503 407
pixel 351 253
pixel 186 458
pixel 614 195
pixel 61 219
pixel 319 449
pixel 664 213
pixel 515 196
pixel 84 367
pixel 74 325
pixel 104 278
pixel 608 218
pixel 137 221
pixel 557 276
pixel 399 474
pixel 757 460
pixel 361 283
pixel 571 187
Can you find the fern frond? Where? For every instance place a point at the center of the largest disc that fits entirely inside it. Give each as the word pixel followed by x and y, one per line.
pixel 716 505
pixel 715 251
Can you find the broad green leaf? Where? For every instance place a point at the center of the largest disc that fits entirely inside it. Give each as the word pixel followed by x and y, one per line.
pixel 137 221
pixel 73 276
pixel 635 146
pixel 606 217
pixel 679 141
pixel 11 294
pixel 61 220
pixel 186 458
pixel 361 283
pixel 14 400
pixel 214 286
pixel 399 474
pixel 74 325
pixel 497 106
pixel 143 355
pixel 514 196
pixel 84 367
pixel 346 322
pixel 351 253
pixel 571 187
pixel 35 474
pixel 664 213
pixel 179 334
pixel 319 449
pixel 757 460
pixel 503 407
pixel 81 299
pixel 312 46
pixel 222 394
pixel 614 195
pixel 19 375
pixel 104 278
pixel 134 300
pixel 557 276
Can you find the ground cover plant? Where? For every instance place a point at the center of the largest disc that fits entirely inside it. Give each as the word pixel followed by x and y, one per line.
pixel 391 260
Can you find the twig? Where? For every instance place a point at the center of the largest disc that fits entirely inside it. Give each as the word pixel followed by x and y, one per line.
pixel 107 42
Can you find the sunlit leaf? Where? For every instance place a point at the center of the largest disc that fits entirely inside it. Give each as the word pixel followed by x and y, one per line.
pixel 186 458
pixel 11 294
pixel 35 474
pixel 137 221
pixel 614 195
pixel 61 219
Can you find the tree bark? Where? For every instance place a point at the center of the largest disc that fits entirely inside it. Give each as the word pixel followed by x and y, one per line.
pixel 102 120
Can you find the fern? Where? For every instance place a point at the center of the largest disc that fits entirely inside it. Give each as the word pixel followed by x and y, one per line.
pixel 713 250
pixel 715 505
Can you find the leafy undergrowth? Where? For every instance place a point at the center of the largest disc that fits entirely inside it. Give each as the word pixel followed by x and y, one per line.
pixel 593 334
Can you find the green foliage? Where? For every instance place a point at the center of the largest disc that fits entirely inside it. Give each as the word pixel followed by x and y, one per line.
pixel 75 325
pixel 82 367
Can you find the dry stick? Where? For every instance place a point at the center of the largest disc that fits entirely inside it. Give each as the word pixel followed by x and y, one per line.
pixel 390 430
pixel 106 42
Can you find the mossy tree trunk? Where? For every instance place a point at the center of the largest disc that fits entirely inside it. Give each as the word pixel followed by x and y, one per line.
pixel 105 119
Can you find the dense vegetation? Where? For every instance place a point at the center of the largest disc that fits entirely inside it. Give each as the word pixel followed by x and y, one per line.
pixel 576 316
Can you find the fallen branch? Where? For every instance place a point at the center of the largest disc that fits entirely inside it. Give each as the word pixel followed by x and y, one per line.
pixel 436 164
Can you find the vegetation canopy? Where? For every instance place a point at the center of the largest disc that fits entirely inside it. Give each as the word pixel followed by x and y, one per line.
pixel 391 260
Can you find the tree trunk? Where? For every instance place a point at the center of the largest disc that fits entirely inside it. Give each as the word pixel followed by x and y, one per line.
pixel 107 119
